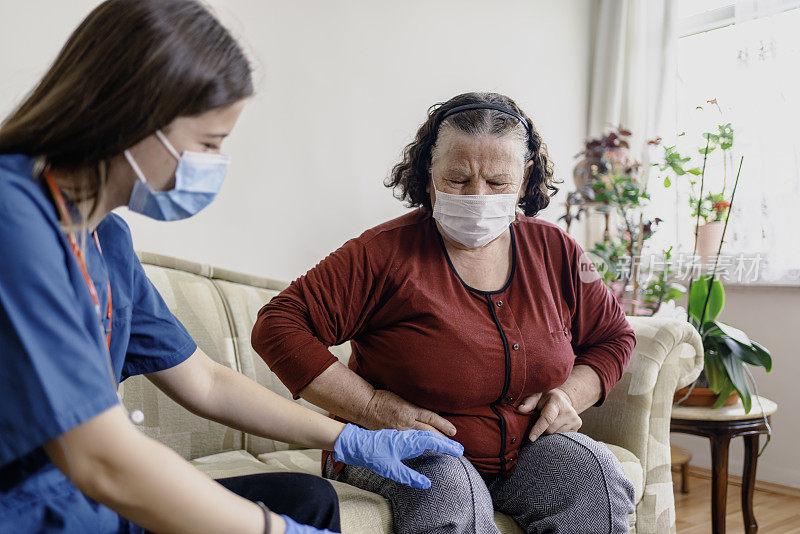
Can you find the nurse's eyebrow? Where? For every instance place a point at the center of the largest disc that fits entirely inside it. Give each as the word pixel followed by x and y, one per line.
pixel 219 135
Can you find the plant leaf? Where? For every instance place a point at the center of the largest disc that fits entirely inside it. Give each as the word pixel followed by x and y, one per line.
pixel 750 353
pixel 726 391
pixel 763 356
pixel 697 299
pixel 734 333
pixel 715 373
pixel 735 369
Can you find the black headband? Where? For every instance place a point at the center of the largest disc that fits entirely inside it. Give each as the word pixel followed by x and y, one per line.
pixel 466 107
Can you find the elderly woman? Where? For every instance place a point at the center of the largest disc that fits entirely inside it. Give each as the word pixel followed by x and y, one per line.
pixel 471 319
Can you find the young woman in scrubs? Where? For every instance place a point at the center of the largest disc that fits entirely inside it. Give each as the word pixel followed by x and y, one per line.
pixel 132 113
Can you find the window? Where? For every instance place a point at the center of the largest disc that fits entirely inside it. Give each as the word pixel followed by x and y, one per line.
pixel 747 59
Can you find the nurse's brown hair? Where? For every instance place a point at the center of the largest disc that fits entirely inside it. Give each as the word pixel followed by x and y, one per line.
pixel 130 68
pixel 411 176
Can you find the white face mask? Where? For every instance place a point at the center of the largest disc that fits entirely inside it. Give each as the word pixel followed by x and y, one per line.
pixel 475 220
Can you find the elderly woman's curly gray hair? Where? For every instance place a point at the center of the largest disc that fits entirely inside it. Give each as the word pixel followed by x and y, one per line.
pixel 411 176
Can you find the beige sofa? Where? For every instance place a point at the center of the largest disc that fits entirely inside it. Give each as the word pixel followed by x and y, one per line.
pixel 219 308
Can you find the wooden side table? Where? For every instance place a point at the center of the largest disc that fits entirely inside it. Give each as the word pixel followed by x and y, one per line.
pixel 719 426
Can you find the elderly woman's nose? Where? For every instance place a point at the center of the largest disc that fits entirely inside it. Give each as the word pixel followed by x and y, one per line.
pixel 477 187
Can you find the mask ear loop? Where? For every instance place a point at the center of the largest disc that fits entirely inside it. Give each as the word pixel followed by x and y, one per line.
pixel 167 144
pixel 135 166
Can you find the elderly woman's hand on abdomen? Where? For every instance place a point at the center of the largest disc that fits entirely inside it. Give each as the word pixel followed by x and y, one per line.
pixel 388 410
pixel 556 413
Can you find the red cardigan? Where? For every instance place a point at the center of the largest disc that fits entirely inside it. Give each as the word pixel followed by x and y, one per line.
pixel 418 330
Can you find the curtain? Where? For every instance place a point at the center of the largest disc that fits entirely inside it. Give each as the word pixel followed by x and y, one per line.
pixel 632 80
pixel 633 69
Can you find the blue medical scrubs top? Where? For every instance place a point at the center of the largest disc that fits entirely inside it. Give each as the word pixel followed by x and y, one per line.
pixel 53 363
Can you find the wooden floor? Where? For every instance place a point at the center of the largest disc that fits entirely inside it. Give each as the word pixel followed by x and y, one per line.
pixel 775 514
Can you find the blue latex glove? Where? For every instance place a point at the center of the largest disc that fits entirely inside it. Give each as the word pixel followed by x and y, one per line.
pixel 382 451
pixel 292 527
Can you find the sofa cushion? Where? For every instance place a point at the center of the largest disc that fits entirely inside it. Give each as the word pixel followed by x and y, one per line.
pixel 197 304
pixel 230 464
pixel 632 467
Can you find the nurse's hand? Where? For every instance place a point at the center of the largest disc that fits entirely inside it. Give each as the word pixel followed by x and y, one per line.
pixel 293 527
pixel 556 413
pixel 382 451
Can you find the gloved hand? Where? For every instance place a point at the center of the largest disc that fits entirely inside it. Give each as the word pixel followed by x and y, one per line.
pixel 293 527
pixel 382 451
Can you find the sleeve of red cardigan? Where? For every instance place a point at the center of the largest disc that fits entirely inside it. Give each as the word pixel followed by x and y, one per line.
pixel 326 306
pixel 602 338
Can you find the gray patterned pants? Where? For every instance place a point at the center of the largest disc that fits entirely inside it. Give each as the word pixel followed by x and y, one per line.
pixel 563 483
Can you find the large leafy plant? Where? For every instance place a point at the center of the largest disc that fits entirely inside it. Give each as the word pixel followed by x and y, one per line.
pixel 727 349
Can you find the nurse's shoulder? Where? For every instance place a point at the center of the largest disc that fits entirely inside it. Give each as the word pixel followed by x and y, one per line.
pixel 22 199
pixel 114 230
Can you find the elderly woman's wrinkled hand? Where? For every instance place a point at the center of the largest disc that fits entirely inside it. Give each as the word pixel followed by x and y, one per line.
pixel 388 410
pixel 556 413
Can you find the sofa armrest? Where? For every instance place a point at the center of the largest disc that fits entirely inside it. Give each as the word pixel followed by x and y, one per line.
pixel 636 415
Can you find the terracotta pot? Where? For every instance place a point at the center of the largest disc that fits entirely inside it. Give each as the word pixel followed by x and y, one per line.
pixel 702 397
pixel 708 237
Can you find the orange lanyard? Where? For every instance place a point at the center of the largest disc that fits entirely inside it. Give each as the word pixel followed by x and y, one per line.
pixel 61 205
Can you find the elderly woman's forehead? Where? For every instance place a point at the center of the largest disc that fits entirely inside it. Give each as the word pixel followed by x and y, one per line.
pixel 457 148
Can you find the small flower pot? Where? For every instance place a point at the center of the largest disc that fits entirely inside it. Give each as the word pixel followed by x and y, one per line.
pixel 702 397
pixel 709 236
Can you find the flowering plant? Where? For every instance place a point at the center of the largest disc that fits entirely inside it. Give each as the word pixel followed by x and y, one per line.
pixel 611 183
pixel 711 207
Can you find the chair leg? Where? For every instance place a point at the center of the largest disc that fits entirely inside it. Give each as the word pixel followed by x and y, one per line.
pixel 685 477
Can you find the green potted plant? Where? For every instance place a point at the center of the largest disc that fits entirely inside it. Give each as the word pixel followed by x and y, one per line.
pixel 727 350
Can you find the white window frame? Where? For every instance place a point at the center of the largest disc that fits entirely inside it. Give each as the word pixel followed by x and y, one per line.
pixel 721 17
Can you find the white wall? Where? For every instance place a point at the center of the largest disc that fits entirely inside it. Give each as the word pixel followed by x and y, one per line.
pixel 342 87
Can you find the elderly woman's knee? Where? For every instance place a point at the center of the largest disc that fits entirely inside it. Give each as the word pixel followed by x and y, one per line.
pixel 457 501
pixel 590 459
pixel 584 457
pixel 450 475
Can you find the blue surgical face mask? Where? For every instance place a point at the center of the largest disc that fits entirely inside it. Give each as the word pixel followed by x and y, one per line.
pixel 198 179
